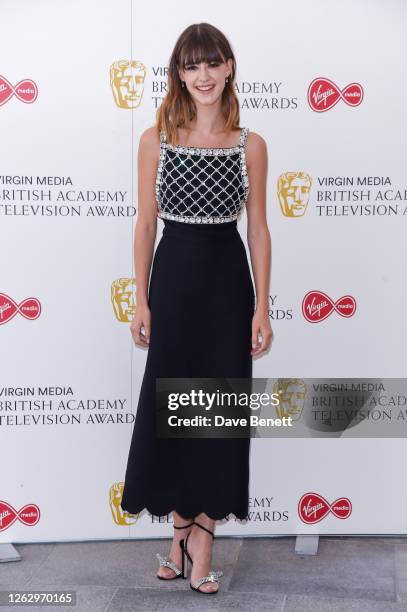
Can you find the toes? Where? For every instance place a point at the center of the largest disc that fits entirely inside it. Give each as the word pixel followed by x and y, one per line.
pixel 166 572
pixel 209 588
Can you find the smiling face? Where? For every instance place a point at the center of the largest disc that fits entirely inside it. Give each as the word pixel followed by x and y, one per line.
pixel 205 80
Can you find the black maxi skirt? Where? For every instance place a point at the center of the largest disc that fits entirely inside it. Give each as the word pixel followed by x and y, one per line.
pixel 202 301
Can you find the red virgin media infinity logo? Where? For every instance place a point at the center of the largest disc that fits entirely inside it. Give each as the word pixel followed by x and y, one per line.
pixel 29 515
pixel 317 306
pixel 312 508
pixel 25 90
pixel 30 308
pixel 323 94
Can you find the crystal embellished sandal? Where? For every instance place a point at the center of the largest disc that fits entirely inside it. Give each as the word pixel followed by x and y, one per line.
pixel 213 576
pixel 166 561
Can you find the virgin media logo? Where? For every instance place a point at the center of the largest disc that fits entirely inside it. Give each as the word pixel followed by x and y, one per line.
pixel 323 94
pixel 28 514
pixel 317 306
pixel 26 90
pixel 312 508
pixel 30 308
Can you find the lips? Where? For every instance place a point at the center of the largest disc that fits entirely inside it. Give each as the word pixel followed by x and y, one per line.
pixel 204 89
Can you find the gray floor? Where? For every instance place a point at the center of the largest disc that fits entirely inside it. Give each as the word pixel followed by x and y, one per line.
pixel 362 574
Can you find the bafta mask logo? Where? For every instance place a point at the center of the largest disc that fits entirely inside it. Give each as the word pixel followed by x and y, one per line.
pixel 292 393
pixel 123 299
pixel 293 193
pixel 120 516
pixel 127 82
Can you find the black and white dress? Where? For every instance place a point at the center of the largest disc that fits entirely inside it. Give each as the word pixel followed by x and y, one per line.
pixel 202 301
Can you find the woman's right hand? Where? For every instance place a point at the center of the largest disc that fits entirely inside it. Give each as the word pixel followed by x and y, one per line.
pixel 141 322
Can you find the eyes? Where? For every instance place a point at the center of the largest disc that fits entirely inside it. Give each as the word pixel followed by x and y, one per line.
pixel 194 66
pixel 293 190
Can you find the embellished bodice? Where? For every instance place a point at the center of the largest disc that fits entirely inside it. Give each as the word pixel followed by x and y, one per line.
pixel 201 185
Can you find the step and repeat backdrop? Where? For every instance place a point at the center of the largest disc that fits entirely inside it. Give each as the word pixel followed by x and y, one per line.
pixel 324 84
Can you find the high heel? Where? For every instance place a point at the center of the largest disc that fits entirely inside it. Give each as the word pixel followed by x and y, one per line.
pixel 213 576
pixel 166 561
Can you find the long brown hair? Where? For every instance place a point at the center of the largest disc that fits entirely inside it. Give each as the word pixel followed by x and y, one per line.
pixel 199 42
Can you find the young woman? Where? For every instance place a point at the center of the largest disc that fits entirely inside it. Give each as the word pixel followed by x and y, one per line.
pixel 200 316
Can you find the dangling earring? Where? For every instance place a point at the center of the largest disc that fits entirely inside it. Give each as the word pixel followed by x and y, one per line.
pixel 182 83
pixel 226 80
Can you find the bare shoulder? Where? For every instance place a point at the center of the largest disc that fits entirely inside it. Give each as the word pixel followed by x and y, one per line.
pixel 256 148
pixel 149 142
pixel 255 141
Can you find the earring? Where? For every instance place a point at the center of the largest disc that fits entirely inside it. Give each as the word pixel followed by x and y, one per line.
pixel 226 80
pixel 182 83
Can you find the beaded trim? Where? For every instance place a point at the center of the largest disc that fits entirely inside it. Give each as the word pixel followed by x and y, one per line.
pixel 166 562
pixel 206 150
pixel 202 151
pixel 213 576
pixel 202 219
pixel 195 151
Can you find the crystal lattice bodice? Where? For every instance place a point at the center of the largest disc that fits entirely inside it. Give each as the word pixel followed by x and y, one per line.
pixel 201 185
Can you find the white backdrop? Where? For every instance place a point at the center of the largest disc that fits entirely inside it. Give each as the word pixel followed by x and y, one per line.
pixel 70 374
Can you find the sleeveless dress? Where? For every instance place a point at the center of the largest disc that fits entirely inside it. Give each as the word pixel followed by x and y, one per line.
pixel 202 300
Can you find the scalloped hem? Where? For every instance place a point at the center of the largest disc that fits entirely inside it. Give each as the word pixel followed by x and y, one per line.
pixel 188 514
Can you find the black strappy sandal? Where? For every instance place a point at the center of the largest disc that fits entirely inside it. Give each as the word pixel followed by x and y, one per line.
pixel 166 561
pixel 213 576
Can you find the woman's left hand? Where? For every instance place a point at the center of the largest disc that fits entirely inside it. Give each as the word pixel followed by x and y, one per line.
pixel 261 332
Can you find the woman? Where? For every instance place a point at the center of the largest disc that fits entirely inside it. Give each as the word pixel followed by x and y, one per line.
pixel 199 318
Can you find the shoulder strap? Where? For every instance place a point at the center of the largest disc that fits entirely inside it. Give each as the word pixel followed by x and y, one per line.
pixel 243 137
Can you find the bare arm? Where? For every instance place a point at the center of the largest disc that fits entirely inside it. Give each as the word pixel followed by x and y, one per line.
pixel 145 230
pixel 259 239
